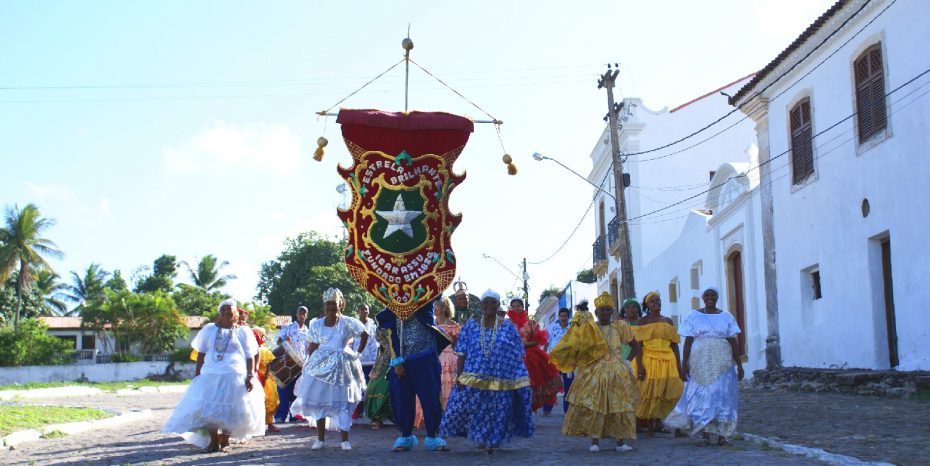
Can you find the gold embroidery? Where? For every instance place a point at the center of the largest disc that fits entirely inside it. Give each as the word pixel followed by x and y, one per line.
pixel 484 382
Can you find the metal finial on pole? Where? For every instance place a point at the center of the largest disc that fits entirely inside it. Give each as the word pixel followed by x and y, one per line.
pixel 407 44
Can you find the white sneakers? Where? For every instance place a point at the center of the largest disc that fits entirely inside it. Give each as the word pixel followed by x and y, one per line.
pixel 620 448
pixel 318 445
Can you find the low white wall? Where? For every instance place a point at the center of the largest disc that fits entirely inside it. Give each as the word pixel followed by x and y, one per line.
pixel 112 372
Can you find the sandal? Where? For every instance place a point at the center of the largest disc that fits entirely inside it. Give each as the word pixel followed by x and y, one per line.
pixel 723 442
pixel 704 443
pixel 375 425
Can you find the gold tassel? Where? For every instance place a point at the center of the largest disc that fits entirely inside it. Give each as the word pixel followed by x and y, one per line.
pixel 318 153
pixel 511 168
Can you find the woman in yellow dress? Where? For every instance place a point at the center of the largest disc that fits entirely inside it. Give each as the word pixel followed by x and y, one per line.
pixel 661 388
pixel 603 396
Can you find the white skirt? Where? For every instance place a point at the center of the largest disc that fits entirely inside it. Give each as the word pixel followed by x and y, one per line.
pixel 326 393
pixel 218 401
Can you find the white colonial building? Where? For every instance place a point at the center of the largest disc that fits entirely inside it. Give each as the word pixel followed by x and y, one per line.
pixel 712 238
pixel 843 123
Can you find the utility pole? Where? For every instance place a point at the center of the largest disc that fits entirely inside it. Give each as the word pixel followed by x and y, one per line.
pixel 623 231
pixel 526 287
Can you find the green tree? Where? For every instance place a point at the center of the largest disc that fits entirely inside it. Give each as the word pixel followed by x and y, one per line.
pixel 89 286
pixel 551 291
pixel 53 290
pixel 30 345
pixel 33 302
pixel 195 301
pixel 164 270
pixel 308 266
pixel 145 323
pixel 586 276
pixel 116 282
pixel 23 249
pixel 207 275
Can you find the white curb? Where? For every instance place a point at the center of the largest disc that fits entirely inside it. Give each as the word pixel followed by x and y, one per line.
pixel 816 453
pixel 30 435
pixel 54 392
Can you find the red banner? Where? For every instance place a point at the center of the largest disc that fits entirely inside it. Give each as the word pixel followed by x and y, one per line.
pixel 399 224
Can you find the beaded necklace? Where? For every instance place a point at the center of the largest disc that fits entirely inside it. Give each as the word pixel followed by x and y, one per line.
pixel 217 352
pixel 324 341
pixel 486 349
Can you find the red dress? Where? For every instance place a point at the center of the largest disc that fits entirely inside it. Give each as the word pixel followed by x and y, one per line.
pixel 545 378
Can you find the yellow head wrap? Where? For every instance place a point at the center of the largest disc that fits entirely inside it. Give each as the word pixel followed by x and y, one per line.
pixel 649 295
pixel 604 300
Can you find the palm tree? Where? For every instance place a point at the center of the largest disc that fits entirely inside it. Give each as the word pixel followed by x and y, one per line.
pixel 90 286
pixel 23 248
pixel 207 276
pixel 54 291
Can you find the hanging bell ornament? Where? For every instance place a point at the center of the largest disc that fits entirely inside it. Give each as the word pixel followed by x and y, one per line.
pixel 318 153
pixel 511 168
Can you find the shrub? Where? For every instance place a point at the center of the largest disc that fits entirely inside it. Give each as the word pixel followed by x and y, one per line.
pixel 31 346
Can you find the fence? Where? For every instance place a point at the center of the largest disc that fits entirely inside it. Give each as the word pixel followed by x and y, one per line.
pixel 100 372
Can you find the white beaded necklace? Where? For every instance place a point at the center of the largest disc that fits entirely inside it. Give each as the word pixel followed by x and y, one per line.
pixel 486 349
pixel 217 353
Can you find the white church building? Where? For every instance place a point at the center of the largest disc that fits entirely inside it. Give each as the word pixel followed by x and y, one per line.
pixel 694 217
pixel 843 123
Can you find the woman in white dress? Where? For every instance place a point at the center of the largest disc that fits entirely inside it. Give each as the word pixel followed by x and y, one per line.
pixel 711 364
pixel 217 405
pixel 332 382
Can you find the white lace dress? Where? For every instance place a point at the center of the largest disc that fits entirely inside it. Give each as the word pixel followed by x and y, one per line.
pixel 711 396
pixel 332 382
pixel 217 398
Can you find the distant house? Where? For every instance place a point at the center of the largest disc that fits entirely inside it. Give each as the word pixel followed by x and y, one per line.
pixel 86 343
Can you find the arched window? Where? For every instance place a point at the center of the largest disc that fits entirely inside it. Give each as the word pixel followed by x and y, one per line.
pixel 870 93
pixel 802 144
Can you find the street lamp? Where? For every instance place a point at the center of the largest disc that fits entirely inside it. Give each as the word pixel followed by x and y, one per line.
pixel 539 158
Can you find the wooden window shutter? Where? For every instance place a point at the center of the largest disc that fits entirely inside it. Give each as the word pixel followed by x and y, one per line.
pixel 802 144
pixel 870 93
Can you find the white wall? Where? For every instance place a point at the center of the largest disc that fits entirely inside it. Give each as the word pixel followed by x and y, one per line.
pixel 114 372
pixel 821 223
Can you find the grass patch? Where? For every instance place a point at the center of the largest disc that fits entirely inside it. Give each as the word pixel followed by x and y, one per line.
pixel 54 434
pixel 14 418
pixel 106 386
pixel 922 395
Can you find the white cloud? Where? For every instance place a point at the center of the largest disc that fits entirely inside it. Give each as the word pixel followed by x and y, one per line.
pixel 267 147
pixel 104 206
pixel 52 192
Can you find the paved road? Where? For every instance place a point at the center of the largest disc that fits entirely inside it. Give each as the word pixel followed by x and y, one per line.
pixel 865 427
pixel 144 443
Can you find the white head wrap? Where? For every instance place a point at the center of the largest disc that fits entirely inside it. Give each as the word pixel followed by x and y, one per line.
pixel 490 294
pixel 714 289
pixel 231 302
pixel 333 295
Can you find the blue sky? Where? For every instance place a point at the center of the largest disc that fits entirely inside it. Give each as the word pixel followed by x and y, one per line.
pixel 188 128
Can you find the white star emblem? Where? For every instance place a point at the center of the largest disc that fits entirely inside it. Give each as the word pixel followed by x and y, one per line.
pixel 398 219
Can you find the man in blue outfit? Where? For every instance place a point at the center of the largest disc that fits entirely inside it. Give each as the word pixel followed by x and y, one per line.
pixel 415 373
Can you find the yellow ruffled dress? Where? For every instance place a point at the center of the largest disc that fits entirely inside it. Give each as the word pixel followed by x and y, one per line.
pixel 603 396
pixel 662 388
pixel 265 356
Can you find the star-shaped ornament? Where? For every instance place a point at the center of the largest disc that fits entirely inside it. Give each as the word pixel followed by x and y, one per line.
pixel 398 219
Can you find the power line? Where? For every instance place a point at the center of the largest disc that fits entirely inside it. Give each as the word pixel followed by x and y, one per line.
pixel 759 92
pixel 787 151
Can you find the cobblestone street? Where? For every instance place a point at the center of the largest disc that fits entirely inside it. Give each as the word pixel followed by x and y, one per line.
pixel 143 442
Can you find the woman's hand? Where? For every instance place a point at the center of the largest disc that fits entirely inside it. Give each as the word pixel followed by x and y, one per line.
pixel 400 370
pixel 248 383
pixel 641 373
pixel 685 373
pixel 739 372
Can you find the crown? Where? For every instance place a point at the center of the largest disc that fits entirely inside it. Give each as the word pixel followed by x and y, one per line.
pixel 604 300
pixel 460 287
pixel 333 295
